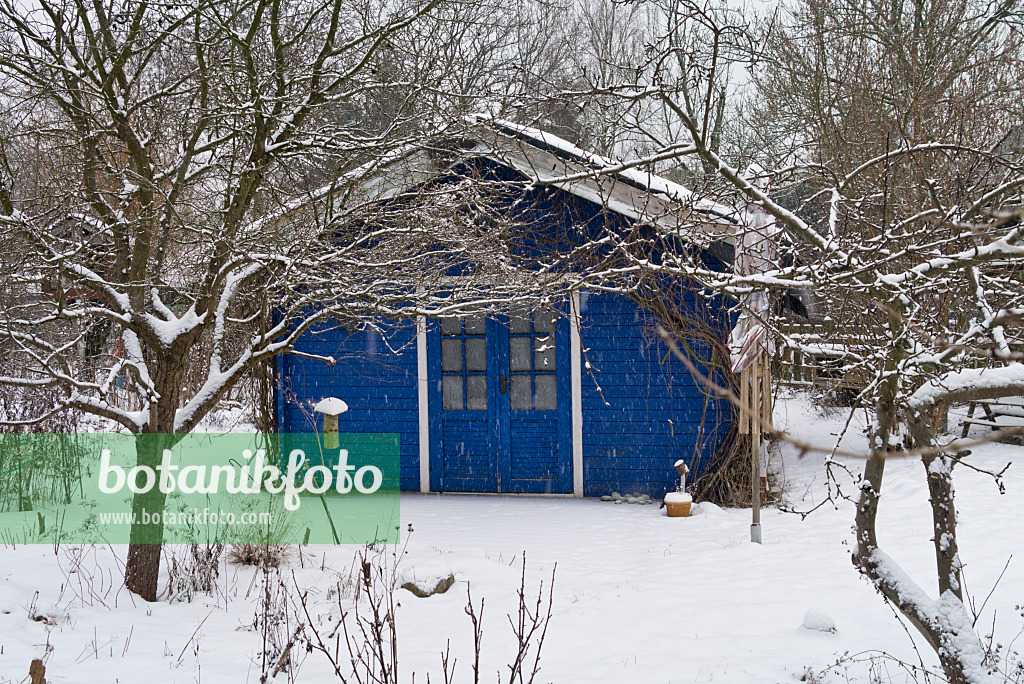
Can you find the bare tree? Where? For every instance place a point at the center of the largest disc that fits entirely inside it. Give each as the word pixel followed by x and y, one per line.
pixel 202 183
pixel 899 124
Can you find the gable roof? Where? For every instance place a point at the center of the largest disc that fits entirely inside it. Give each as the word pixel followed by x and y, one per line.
pixel 546 159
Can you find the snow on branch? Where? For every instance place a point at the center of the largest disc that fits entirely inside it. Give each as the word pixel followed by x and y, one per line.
pixel 968 384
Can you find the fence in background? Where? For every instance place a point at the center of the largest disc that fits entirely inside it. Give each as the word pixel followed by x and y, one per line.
pixel 819 353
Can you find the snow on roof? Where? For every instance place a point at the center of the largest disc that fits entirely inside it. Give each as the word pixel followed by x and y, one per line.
pixel 643 180
pixel 619 186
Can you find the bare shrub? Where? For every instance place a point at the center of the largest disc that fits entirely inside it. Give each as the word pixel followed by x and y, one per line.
pixel 88 580
pixel 703 333
pixel 280 627
pixel 196 571
pixel 361 641
pixel 262 544
pixel 261 555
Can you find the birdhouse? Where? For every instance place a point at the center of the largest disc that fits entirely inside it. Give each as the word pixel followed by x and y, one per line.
pixel 331 407
pixel 682 469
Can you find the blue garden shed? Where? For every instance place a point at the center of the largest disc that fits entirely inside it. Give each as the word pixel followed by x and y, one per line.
pixel 579 398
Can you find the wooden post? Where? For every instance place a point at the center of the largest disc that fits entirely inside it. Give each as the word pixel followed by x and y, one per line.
pixel 744 401
pixel 37 672
pixel 755 454
pixel 330 431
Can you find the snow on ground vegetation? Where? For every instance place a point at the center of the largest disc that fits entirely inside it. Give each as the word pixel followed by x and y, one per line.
pixel 638 597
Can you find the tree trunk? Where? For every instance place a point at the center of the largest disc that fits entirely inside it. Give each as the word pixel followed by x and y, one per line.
pixel 869 560
pixel 940 489
pixel 142 569
pixel 939 469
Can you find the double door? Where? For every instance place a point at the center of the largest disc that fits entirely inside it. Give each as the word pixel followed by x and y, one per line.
pixel 500 404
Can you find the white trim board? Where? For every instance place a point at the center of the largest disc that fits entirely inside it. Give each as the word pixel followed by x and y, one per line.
pixel 424 414
pixel 576 373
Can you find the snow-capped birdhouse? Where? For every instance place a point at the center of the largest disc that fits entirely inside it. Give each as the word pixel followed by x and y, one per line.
pixel 682 469
pixel 331 407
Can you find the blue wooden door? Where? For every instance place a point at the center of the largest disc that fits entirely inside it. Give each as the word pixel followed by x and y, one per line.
pixel 500 404
pixel 465 379
pixel 535 419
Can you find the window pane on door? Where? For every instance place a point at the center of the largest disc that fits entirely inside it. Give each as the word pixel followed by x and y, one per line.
pixel 546 396
pixel 476 325
pixel 519 354
pixel 451 355
pixel 476 354
pixel 476 392
pixel 520 396
pixel 451 392
pixel 451 326
pixel 543 321
pixel 544 353
pixel 519 322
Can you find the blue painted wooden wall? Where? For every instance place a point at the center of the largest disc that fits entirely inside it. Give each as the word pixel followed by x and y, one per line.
pixel 378 385
pixel 642 410
pixel 629 394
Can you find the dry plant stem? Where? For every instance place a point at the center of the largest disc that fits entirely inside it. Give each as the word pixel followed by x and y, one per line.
pixel 447 665
pixel 320 645
pixel 368 629
pixel 281 628
pixel 530 626
pixel 476 618
pixel 286 653
pixel 369 633
pixel 265 631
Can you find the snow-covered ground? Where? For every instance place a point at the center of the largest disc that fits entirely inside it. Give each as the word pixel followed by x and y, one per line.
pixel 638 597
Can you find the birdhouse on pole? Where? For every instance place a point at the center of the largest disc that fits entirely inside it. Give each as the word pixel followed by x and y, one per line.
pixel 331 408
pixel 682 469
